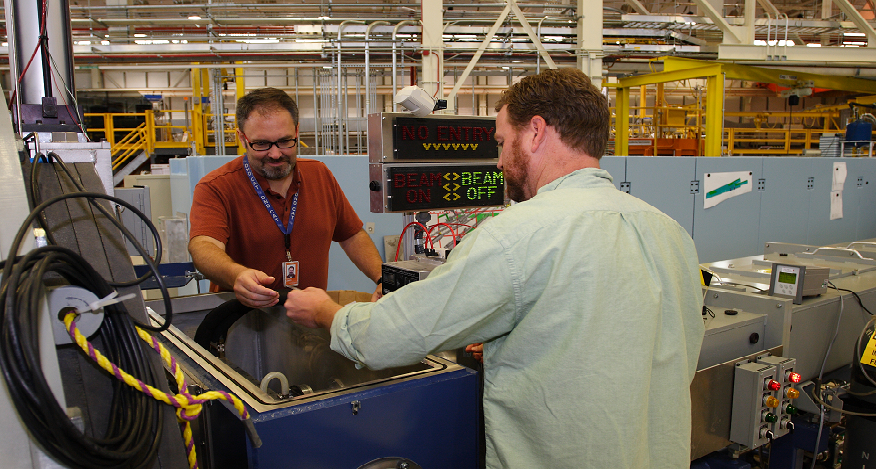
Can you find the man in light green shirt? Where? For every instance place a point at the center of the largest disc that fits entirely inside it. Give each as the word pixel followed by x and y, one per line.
pixel 587 300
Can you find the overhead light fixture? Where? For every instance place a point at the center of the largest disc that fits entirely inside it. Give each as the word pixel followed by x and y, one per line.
pixel 194 17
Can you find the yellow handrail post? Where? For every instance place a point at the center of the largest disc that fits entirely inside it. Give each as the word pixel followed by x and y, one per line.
pixel 240 91
pixel 622 121
pixel 659 99
pixel 198 132
pixel 714 114
pixel 731 134
pixel 109 127
pixel 150 131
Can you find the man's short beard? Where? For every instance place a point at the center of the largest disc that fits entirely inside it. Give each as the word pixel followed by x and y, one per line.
pixel 276 173
pixel 516 177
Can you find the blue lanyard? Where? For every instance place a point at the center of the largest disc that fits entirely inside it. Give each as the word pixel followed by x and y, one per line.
pixel 285 230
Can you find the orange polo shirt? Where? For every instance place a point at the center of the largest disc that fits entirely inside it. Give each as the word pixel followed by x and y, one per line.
pixel 225 207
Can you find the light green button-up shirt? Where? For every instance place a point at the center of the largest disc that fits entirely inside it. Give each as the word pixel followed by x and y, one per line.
pixel 589 304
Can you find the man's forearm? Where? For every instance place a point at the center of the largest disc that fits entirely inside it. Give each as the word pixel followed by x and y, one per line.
pixel 325 314
pixel 361 250
pixel 212 261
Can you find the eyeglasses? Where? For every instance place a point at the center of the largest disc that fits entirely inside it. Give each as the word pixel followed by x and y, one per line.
pixel 283 143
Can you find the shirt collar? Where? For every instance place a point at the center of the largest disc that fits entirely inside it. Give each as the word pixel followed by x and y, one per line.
pixel 586 177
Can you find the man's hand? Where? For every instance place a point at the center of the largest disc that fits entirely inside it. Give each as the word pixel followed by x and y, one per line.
pixel 311 307
pixel 378 293
pixel 476 351
pixel 250 289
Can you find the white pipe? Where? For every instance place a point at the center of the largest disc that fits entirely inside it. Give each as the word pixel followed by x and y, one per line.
pixel 340 75
pixel 368 66
pixel 284 383
pixel 394 72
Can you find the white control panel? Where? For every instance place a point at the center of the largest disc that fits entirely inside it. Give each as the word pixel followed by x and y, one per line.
pixel 787 280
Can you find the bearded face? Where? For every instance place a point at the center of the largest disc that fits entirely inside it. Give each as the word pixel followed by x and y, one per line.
pixel 514 169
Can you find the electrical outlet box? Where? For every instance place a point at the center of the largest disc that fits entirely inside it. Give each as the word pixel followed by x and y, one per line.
pixel 787 394
pixel 755 400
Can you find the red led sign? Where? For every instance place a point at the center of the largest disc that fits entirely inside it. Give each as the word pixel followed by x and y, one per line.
pixel 451 139
pixel 435 186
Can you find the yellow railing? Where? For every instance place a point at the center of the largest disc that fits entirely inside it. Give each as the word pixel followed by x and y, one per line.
pixel 771 141
pixel 131 145
pixel 150 134
pixel 769 136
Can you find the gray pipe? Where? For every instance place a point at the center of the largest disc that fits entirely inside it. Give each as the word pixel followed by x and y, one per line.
pixel 42 78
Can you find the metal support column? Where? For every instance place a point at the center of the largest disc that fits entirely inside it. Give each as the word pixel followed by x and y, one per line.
pixel 714 115
pixel 589 49
pixel 433 47
pixel 622 122
pixel 342 110
pixel 239 92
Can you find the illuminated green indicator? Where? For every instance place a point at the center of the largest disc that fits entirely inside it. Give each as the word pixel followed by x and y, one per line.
pixel 791 410
pixel 787 277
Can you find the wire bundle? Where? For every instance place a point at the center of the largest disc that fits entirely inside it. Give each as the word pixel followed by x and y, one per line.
pixel 188 406
pixel 135 423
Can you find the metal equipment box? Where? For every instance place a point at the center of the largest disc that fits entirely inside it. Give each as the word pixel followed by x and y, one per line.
pixel 730 336
pixel 399 274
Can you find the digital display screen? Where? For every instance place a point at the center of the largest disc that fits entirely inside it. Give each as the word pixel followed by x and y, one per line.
pixel 788 277
pixel 444 186
pixel 450 139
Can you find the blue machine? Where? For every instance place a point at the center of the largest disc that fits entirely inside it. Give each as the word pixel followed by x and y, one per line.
pixel 431 421
pixel 323 413
pixel 859 133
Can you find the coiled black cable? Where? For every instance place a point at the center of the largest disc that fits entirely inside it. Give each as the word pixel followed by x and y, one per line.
pixel 131 439
pixel 135 423
pixel 19 237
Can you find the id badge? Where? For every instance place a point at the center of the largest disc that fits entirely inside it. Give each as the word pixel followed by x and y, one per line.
pixel 290 274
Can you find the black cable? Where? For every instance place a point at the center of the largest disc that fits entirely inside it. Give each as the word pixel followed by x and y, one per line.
pixel 865 331
pixel 115 221
pixel 133 433
pixel 856 297
pixel 19 237
pixel 34 196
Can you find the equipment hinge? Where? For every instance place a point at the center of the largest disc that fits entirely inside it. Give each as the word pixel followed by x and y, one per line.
pixel 695 187
pixel 761 184
pixel 810 184
pixel 860 181
pixel 625 186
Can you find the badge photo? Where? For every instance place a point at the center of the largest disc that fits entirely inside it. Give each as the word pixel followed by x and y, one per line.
pixel 290 274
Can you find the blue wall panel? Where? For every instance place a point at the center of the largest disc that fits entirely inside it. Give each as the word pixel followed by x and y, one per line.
pixel 729 229
pixel 862 180
pixel 665 184
pixel 784 211
pixel 616 166
pixel 351 171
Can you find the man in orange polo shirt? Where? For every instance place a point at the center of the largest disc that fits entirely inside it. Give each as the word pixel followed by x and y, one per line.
pixel 266 220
